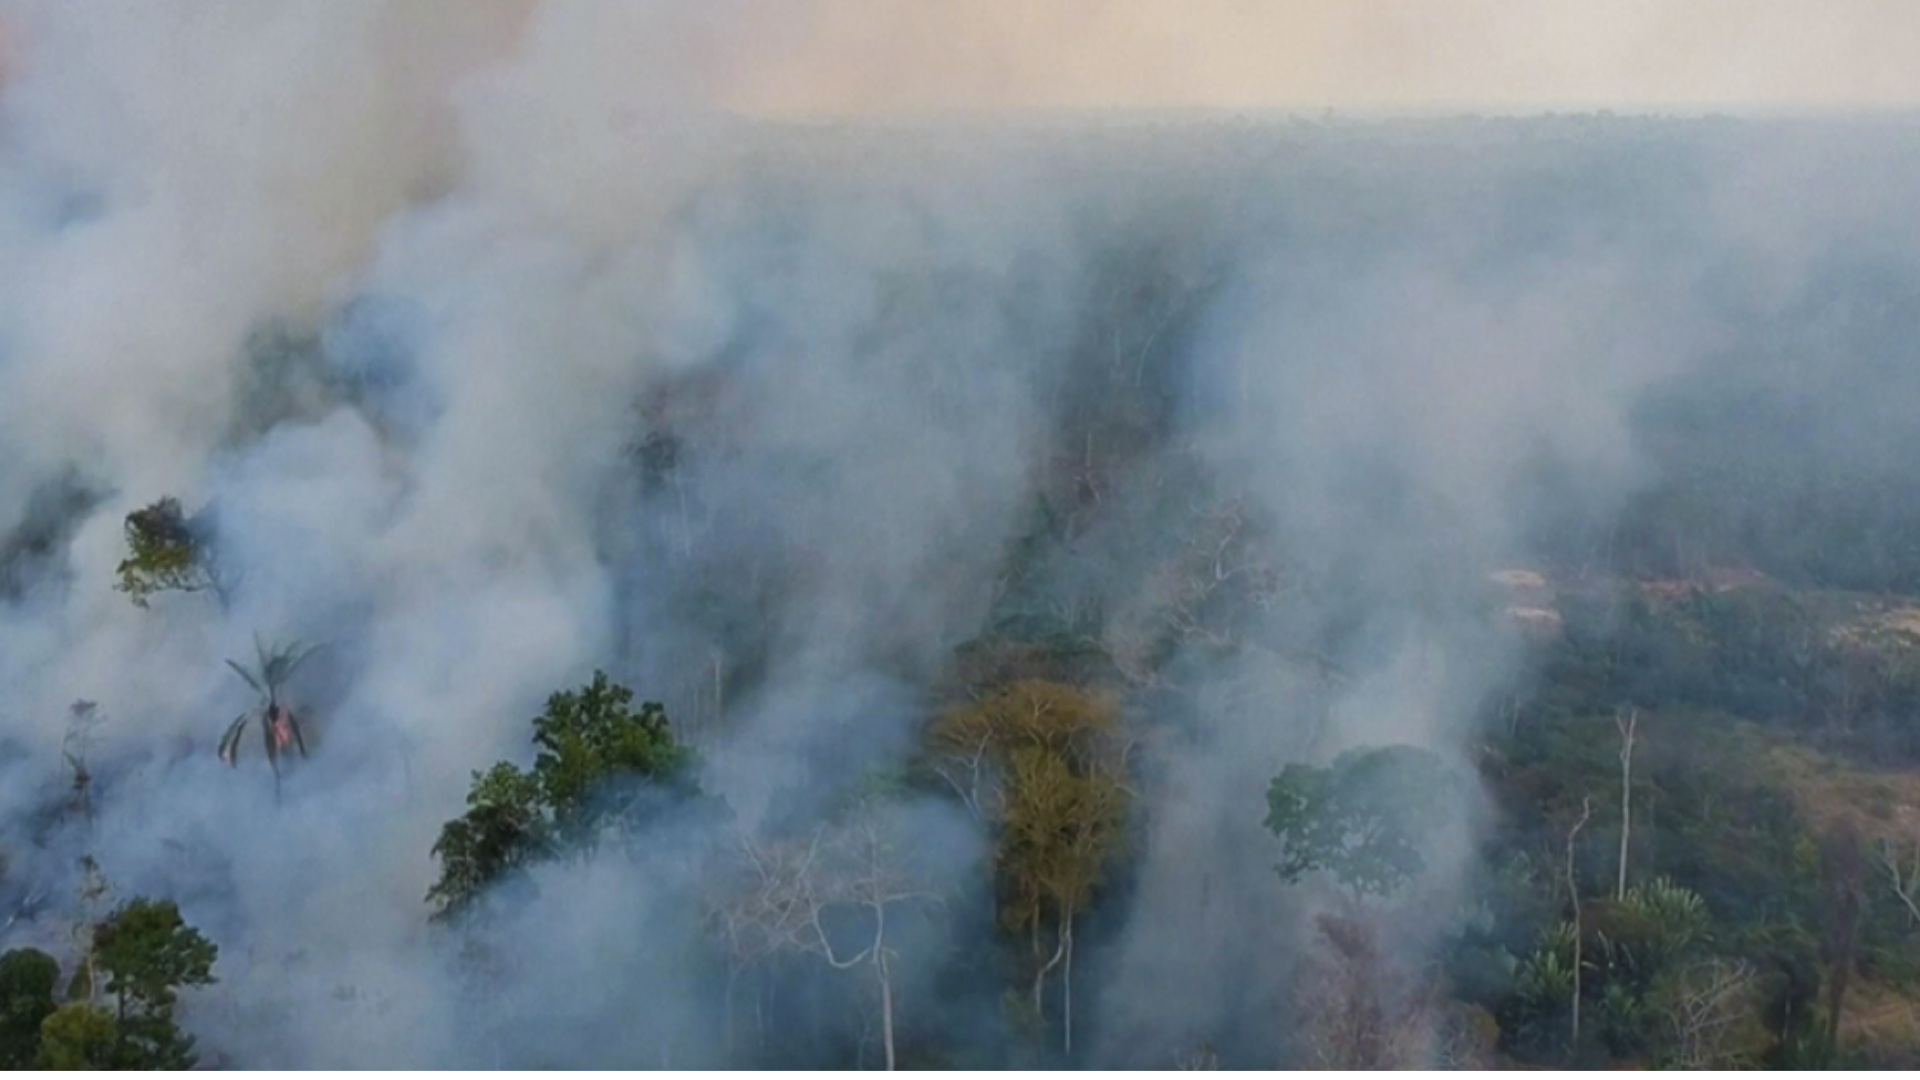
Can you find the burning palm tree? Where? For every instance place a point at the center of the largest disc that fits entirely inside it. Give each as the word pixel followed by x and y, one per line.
pixel 279 728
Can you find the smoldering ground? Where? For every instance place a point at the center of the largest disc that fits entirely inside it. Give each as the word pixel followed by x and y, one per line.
pixel 501 355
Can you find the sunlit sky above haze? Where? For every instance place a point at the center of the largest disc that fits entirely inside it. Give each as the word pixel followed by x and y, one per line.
pixel 815 58
pixel 879 56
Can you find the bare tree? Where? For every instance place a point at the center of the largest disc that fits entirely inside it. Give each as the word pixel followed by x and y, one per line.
pixel 790 892
pixel 869 876
pixel 1573 891
pixel 1905 881
pixel 1712 1002
pixel 758 911
pixel 965 769
pixel 1222 553
pixel 1465 1038
pixel 1358 1011
pixel 1627 725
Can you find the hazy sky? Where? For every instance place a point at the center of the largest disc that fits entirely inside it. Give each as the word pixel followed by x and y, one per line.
pixel 916 55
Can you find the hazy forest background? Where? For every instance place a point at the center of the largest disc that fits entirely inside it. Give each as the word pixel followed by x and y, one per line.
pixel 492 575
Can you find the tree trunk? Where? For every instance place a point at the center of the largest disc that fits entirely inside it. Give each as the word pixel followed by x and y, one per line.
pixel 886 1008
pixel 1627 730
pixel 1573 890
pixel 1040 977
pixel 686 523
pixel 728 1034
pixel 760 992
pixel 1844 866
pixel 1066 988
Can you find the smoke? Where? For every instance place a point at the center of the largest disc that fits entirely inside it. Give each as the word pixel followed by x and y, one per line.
pixel 404 293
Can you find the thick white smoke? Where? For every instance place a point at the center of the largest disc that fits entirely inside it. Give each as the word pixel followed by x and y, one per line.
pixel 503 244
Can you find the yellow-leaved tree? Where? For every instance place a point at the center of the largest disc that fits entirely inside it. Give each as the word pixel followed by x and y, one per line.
pixel 1045 765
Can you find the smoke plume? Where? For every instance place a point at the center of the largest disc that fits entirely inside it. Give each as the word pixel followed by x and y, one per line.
pixel 402 291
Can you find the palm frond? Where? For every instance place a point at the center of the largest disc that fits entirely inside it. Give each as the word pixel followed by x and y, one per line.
pixel 230 741
pixel 278 664
pixel 251 681
pixel 294 657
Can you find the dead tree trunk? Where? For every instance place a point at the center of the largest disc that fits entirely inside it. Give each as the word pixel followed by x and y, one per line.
pixel 1628 725
pixel 1040 977
pixel 1573 890
pixel 1066 990
pixel 886 1006
pixel 1905 882
pixel 1844 867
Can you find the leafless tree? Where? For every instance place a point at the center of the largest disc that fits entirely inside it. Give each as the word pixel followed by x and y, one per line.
pixel 1712 1001
pixel 1357 1011
pixel 758 911
pixel 863 872
pixel 965 770
pixel 785 895
pixel 1905 881
pixel 1221 554
pixel 1573 891
pixel 1464 1038
pixel 1628 726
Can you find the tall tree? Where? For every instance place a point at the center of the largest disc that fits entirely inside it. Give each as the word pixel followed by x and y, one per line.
pixel 27 980
pixel 1366 819
pixel 1573 896
pixel 601 763
pixel 1047 765
pixel 1843 865
pixel 148 953
pixel 504 828
pixel 591 738
pixel 1629 726
pixel 830 896
pixel 77 1035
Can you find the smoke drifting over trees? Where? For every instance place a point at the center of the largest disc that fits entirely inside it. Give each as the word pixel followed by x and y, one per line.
pixel 983 513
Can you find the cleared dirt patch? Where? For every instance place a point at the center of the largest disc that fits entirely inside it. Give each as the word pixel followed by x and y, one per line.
pixel 1888 630
pixel 1518 579
pixel 1902 620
